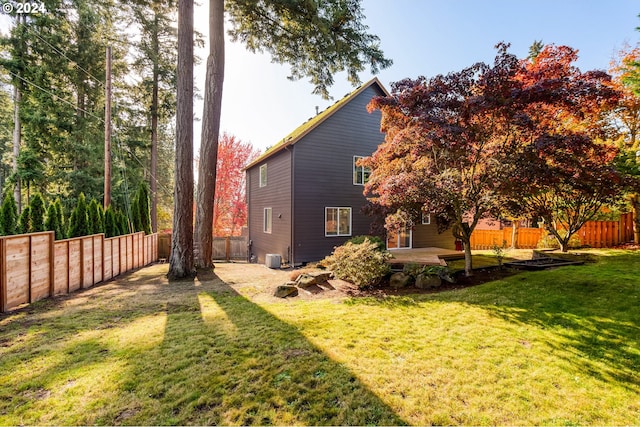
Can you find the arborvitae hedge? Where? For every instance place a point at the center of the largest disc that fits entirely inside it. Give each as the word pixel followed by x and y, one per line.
pixel 96 224
pixel 52 222
pixel 79 221
pixel 110 225
pixel 61 220
pixel 24 222
pixel 37 213
pixel 8 215
pixel 144 211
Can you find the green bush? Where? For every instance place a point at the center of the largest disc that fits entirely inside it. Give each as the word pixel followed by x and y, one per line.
pixel 361 264
pixel 8 215
pixel 24 222
pixel 79 221
pixel 380 245
pixel 144 212
pixel 414 270
pixel 95 218
pixel 52 222
pixel 550 242
pixel 110 226
pixel 38 211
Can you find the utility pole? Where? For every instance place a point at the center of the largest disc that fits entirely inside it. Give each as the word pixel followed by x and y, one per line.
pixel 107 132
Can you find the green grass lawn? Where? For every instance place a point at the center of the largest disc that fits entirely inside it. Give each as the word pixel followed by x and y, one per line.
pixel 555 347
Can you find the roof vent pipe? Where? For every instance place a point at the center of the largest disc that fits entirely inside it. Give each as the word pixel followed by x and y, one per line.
pixel 317 110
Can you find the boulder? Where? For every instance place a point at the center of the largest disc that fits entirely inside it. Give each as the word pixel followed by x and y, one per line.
pixel 399 280
pixel 321 276
pixel 305 280
pixel 426 281
pixel 286 290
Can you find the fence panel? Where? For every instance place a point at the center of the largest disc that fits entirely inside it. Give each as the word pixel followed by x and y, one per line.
pixel 238 248
pixel 17 275
pixel 86 244
pixel 61 267
pixel 75 264
pixel 40 259
pixel 98 258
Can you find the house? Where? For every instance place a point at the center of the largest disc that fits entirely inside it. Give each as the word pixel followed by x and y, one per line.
pixel 305 193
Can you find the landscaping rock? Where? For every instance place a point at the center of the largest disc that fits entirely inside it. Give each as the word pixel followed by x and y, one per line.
pixel 425 281
pixel 399 280
pixel 321 276
pixel 305 280
pixel 287 290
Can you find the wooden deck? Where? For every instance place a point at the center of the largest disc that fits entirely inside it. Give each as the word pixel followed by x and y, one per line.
pixel 424 256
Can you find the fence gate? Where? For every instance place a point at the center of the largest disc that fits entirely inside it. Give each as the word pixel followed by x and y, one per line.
pixel 230 248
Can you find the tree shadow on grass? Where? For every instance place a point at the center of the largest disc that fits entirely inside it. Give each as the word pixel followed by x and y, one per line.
pixel 593 312
pixel 242 365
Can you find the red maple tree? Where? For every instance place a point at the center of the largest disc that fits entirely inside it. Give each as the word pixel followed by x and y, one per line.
pixel 230 206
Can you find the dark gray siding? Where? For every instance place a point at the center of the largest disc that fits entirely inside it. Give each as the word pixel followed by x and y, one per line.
pixel 425 236
pixel 323 165
pixel 276 195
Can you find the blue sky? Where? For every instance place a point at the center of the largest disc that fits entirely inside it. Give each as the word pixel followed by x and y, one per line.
pixel 423 37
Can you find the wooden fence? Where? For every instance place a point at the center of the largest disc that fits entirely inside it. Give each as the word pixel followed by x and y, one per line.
pixel 224 248
pixel 36 266
pixel 596 234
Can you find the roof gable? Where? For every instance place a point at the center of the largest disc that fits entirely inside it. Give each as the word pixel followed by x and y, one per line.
pixel 315 121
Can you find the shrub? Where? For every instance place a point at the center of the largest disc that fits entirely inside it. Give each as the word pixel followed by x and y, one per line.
pixel 95 217
pixel 37 213
pixel 380 245
pixel 550 242
pixel 79 221
pixel 24 222
pixel 110 225
pixel 8 215
pixel 53 221
pixel 415 270
pixel 361 264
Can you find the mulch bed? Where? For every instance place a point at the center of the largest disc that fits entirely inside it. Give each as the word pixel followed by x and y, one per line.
pixel 479 277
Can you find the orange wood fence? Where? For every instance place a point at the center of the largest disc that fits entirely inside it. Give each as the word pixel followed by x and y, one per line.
pixel 36 266
pixel 596 234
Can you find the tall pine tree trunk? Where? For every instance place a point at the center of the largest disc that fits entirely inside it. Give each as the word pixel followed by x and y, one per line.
pixel 210 132
pixel 153 185
pixel 181 260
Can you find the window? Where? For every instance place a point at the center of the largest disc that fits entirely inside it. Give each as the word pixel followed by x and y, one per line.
pixel 337 222
pixel 426 218
pixel 360 173
pixel 263 175
pixel 267 220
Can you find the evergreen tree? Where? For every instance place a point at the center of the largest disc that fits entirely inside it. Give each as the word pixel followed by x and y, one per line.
pixel 24 222
pixel 52 222
pixel 111 228
pixel 37 213
pixel 144 212
pixel 79 221
pixel 135 214
pixel 94 219
pixel 60 219
pixel 124 225
pixel 8 215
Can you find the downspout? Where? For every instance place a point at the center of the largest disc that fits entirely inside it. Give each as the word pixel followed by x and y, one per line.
pixel 291 149
pixel 247 180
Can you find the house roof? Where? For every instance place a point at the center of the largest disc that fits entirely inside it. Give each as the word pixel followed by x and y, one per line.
pixel 314 122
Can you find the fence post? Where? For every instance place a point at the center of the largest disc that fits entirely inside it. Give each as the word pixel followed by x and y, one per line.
pixel 52 263
pixel 3 277
pixel 227 248
pixel 29 258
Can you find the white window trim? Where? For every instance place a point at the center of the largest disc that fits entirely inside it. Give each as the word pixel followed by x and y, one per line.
pixel 427 217
pixel 266 229
pixel 260 182
pixel 362 168
pixel 326 209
